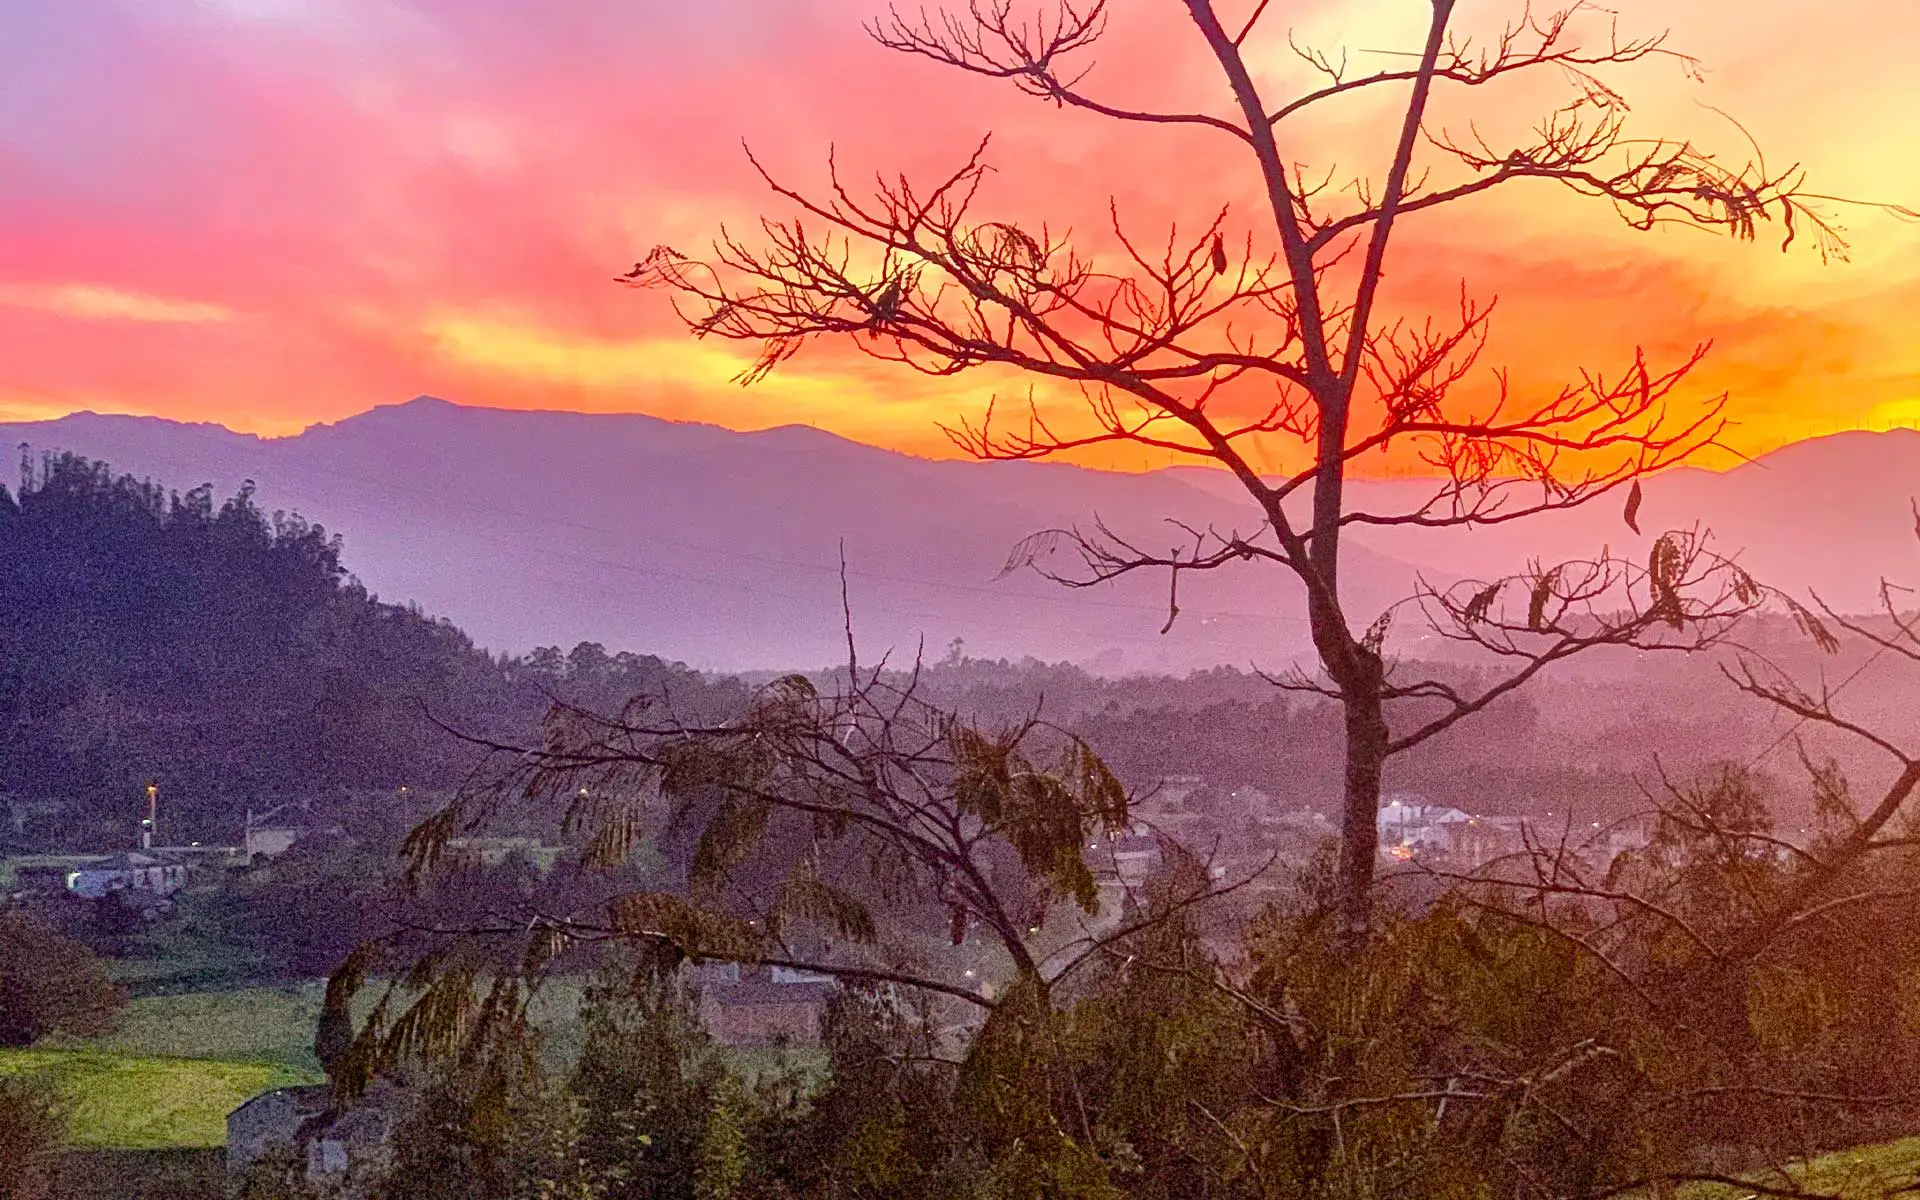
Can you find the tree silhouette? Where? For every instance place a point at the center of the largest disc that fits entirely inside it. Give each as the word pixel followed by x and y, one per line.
pixel 1231 340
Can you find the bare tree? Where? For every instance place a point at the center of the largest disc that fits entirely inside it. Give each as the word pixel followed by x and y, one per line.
pixel 1731 950
pixel 1174 347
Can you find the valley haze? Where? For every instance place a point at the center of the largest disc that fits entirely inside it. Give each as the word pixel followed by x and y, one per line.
pixel 722 548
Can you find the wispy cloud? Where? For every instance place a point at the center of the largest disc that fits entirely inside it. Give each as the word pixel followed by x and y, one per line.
pixel 88 301
pixel 558 356
pixel 701 377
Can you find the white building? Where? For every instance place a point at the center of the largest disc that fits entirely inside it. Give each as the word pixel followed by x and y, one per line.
pixel 130 872
pixel 1409 825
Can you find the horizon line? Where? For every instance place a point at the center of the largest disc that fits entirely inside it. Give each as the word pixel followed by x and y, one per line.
pixel 425 399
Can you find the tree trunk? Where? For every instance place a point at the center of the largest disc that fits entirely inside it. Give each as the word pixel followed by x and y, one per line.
pixel 1360 807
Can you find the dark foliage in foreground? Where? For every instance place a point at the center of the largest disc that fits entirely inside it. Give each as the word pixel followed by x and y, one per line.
pixel 50 984
pixel 1569 1046
pixel 32 1123
pixel 1718 1005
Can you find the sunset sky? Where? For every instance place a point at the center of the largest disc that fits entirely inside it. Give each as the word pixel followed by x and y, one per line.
pixel 267 213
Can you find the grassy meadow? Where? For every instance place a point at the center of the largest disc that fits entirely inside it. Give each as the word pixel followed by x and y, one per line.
pixel 177 1064
pixel 124 1101
pixel 1875 1172
pixel 270 1025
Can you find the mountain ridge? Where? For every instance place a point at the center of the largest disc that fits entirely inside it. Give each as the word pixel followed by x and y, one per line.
pixel 722 548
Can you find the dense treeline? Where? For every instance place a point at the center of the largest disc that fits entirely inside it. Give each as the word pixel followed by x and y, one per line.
pixel 225 654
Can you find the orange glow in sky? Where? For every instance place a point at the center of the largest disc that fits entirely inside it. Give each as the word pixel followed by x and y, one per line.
pixel 267 213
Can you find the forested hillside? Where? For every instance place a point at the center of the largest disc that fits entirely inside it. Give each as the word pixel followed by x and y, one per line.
pixel 224 653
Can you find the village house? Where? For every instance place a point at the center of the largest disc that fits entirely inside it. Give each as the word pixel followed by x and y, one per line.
pixel 344 1149
pixel 335 1151
pixel 270 1121
pixel 134 871
pixel 1410 827
pixel 272 833
pixel 477 853
pixel 269 834
pixel 1136 854
pixel 42 878
pixel 1480 840
pixel 760 1006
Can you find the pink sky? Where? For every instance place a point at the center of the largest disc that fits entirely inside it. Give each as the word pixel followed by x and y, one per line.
pixel 267 213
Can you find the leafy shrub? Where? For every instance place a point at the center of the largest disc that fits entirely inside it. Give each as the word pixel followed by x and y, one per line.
pixel 33 1120
pixel 50 983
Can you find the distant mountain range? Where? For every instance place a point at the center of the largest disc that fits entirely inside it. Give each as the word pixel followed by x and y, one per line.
pixel 1832 515
pixel 722 549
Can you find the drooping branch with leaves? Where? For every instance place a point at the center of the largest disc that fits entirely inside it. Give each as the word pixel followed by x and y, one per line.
pixel 1237 343
pixel 1723 1002
pixel 858 832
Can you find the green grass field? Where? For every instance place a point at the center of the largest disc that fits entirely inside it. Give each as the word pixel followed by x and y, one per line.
pixel 188 965
pixel 271 1025
pixel 177 1064
pixel 1888 1169
pixel 127 1101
